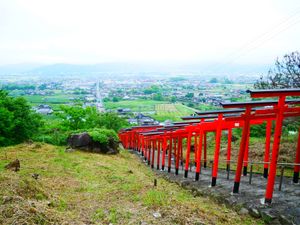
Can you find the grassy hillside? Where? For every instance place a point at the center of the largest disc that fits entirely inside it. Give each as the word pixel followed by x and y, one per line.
pixel 86 188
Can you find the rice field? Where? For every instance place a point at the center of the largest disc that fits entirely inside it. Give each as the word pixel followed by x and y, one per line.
pixel 140 105
pixel 172 112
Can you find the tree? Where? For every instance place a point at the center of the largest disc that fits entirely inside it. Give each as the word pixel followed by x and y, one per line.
pixel 17 121
pixel 158 97
pixel 173 99
pixel 73 117
pixel 285 74
pixel 213 80
pixel 115 99
pixel 227 81
pixel 111 121
pixel 106 99
pixel 190 104
pixel 76 117
pixel 189 95
pixel 152 89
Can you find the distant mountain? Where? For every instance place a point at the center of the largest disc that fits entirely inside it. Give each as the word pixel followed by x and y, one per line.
pixel 18 68
pixel 107 68
pixel 89 69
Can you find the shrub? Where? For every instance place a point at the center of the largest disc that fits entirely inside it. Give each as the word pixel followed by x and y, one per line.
pixel 103 135
pixel 17 121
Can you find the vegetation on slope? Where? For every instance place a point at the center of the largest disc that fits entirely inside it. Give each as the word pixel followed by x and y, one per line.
pixel 17 121
pixel 87 188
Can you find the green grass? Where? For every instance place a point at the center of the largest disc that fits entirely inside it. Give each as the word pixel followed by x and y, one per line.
pixel 135 105
pixel 101 189
pixel 206 107
pixel 55 99
pixel 163 110
pixel 172 112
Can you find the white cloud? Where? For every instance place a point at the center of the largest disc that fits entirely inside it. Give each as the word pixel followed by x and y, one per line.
pixel 139 30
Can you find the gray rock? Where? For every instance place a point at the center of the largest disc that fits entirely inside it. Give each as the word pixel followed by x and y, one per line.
pixel 284 220
pixel 7 199
pixel 267 216
pixel 85 142
pixel 157 215
pixel 112 151
pixel 14 165
pixel 80 140
pixel 69 149
pixel 18 198
pixel 254 212
pixel 185 183
pixel 243 211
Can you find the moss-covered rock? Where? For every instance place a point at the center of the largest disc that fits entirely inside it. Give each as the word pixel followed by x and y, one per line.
pixel 95 141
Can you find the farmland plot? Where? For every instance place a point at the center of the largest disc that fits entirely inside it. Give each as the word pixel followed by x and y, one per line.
pixel 172 112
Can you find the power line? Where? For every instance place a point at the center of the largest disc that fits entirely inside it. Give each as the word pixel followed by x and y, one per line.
pixel 283 25
pixel 271 30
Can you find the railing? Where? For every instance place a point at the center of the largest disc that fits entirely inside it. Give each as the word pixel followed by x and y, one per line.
pixel 282 166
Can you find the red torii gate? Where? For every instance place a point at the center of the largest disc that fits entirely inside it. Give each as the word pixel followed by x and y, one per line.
pixel 248 116
pixel 280 109
pixel 129 138
pixel 222 122
pixel 207 128
pixel 273 114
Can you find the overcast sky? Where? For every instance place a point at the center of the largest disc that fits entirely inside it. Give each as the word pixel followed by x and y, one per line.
pixel 86 31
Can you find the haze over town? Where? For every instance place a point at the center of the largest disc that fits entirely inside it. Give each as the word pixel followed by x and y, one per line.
pixel 215 37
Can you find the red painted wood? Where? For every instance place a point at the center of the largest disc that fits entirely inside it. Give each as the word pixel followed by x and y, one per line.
pixel 188 149
pixel 239 166
pixel 205 149
pixel 267 147
pixel 199 152
pixel 170 149
pixel 297 161
pixel 217 150
pixel 229 146
pixel 275 149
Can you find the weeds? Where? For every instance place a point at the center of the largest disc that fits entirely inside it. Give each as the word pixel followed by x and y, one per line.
pixel 92 188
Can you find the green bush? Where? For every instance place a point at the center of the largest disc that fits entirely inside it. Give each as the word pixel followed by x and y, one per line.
pixel 76 119
pixel 103 135
pixel 258 130
pixel 17 121
pixel 255 131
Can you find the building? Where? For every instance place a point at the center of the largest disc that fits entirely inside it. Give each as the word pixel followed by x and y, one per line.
pixel 43 109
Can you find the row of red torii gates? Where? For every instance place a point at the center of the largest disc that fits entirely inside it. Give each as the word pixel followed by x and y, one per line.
pixel 164 141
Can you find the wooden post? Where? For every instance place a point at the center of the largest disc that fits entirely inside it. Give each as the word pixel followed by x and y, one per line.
pixel 164 152
pixel 205 150
pixel 275 150
pixel 229 149
pixel 158 154
pixel 297 161
pixel 239 166
pixel 246 156
pixel 187 159
pixel 267 148
pixel 170 154
pixel 199 150
pixel 217 150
